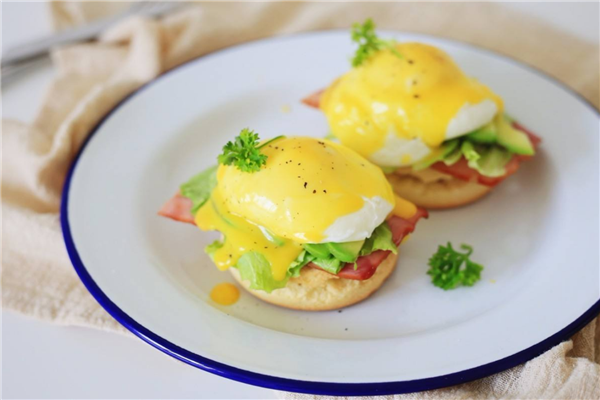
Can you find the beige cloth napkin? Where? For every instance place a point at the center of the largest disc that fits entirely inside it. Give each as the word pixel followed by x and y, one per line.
pixel 38 279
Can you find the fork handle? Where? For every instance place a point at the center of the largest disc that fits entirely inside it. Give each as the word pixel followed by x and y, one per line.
pixel 39 47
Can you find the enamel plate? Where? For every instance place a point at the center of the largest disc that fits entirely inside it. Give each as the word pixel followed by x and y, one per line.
pixel 536 234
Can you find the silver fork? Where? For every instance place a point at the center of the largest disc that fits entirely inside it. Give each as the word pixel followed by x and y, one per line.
pixel 22 58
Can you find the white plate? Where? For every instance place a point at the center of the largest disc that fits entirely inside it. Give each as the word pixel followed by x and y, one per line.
pixel 536 234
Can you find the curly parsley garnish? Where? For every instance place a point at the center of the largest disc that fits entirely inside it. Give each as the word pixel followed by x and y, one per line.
pixel 445 268
pixel 368 42
pixel 244 152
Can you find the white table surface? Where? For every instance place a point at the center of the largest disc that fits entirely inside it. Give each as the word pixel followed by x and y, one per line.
pixel 40 360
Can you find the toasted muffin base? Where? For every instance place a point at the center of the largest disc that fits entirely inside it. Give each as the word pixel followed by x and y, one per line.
pixel 434 190
pixel 316 290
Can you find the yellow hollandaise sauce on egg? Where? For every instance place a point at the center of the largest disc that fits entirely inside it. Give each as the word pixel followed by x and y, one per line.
pixel 309 191
pixel 421 95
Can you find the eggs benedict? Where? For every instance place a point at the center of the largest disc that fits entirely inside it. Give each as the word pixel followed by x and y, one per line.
pixel 442 137
pixel 306 223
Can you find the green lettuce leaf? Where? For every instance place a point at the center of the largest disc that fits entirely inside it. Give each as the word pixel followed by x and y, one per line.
pixel 468 150
pixel 453 157
pixel 211 248
pixel 255 268
pixel 331 265
pixel 381 239
pixel 487 160
pixel 299 263
pixel 199 187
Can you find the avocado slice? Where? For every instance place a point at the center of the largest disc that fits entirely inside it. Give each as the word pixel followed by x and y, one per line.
pixel 486 134
pixel 319 250
pixel 346 252
pixel 513 139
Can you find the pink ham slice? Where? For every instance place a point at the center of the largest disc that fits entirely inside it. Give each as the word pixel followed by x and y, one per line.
pixel 314 100
pixel 179 208
pixel 367 265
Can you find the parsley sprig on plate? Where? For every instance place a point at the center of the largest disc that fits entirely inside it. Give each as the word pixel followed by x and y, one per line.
pixel 447 271
pixel 244 152
pixel 368 42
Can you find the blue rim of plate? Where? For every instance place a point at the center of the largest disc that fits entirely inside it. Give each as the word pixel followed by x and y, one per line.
pixel 293 385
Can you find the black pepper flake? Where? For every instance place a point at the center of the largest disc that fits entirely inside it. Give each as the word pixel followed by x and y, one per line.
pixel 345 329
pixel 416 96
pixel 414 82
pixel 324 191
pixel 411 62
pixel 305 183
pixel 314 191
pixel 299 164
pixel 266 247
pixel 339 311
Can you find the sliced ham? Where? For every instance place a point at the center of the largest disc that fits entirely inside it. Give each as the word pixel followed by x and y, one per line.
pixel 367 265
pixel 314 100
pixel 178 208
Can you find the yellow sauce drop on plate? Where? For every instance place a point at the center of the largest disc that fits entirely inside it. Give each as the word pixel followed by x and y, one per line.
pixel 225 294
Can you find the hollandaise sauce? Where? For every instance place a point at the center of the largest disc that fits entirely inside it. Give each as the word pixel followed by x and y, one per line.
pixel 404 208
pixel 413 96
pixel 225 294
pixel 241 236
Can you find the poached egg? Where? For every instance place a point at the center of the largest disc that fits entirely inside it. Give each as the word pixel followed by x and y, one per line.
pixel 309 191
pixel 396 110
